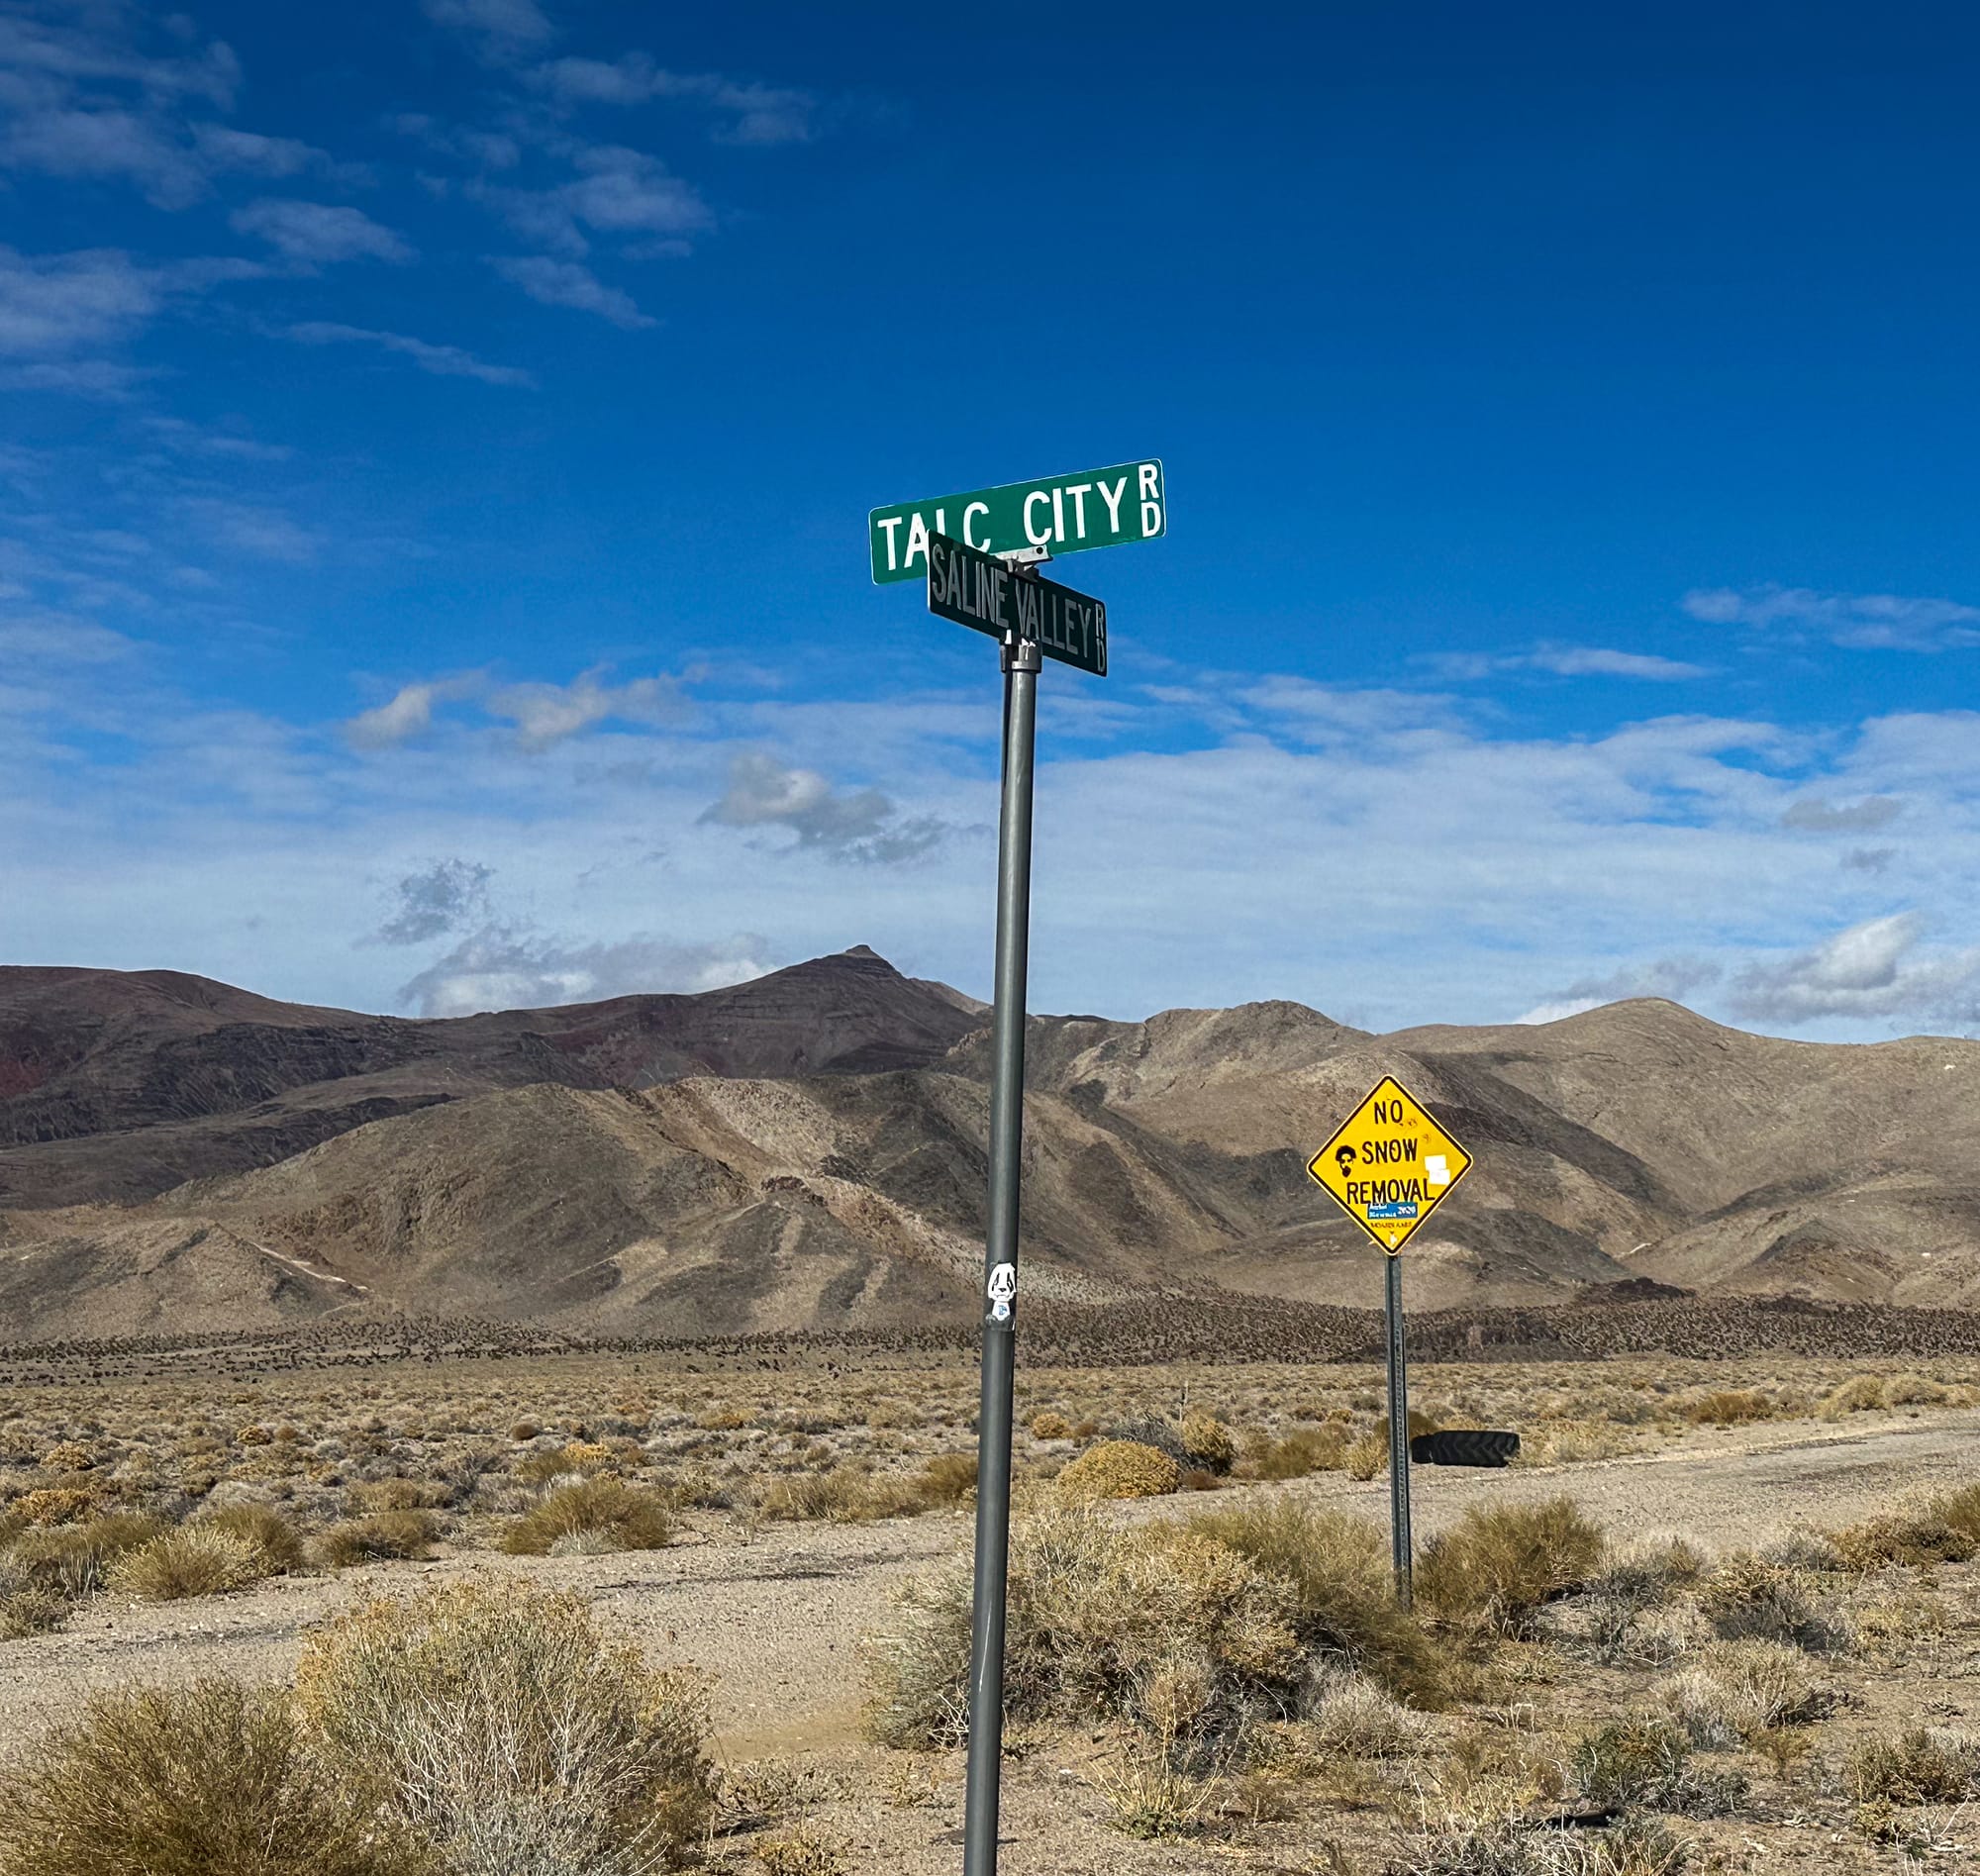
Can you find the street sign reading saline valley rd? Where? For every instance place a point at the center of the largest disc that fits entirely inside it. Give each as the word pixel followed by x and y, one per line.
pixel 1063 514
pixel 976 590
pixel 1390 1165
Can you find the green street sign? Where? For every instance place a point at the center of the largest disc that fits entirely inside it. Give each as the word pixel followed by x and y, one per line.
pixel 983 593
pixel 1063 514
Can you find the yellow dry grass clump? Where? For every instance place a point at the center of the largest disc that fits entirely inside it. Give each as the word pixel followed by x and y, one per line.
pixel 591 1515
pixel 1120 1468
pixel 208 1780
pixel 508 1730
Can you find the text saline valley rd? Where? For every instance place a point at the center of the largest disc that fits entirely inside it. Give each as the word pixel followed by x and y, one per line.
pixel 972 589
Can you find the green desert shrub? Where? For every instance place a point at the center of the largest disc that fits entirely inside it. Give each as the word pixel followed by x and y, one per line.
pixel 1500 1565
pixel 593 1514
pixel 1860 1394
pixel 508 1730
pixel 1304 1450
pixel 1739 1690
pixel 198 1559
pixel 205 1780
pixel 1120 1468
pixel 384 1535
pixel 1749 1597
pixel 949 1478
pixel 71 1560
pixel 1960 1510
pixel 1922 1765
pixel 1207 1442
pixel 1153 1623
pixel 276 1547
pixel 842 1494
pixel 1912 1537
pixel 1729 1406
pixel 1916 1390
pixel 1344 1605
pixel 1510 1847
pixel 1645 1759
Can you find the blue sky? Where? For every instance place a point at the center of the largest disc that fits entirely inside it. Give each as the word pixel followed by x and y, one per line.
pixel 437 439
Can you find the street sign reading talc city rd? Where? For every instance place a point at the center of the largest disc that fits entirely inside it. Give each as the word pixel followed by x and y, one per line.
pixel 1390 1165
pixel 982 592
pixel 1062 514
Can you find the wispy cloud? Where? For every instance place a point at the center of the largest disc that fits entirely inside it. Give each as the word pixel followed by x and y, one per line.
pixel 503 28
pixel 508 968
pixel 1877 969
pixel 539 715
pixel 744 113
pixel 406 715
pixel 860 825
pixel 444 361
pixel 255 528
pixel 1868 622
pixel 1568 660
pixel 1673 978
pixel 319 234
pixel 449 895
pixel 1812 815
pixel 568 283
pixel 617 191
pixel 85 100
pixel 59 304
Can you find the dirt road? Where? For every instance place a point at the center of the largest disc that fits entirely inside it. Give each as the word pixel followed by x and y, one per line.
pixel 778 1620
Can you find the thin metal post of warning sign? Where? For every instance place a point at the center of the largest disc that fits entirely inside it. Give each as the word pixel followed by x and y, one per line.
pixel 1389 1166
pixel 1400 1546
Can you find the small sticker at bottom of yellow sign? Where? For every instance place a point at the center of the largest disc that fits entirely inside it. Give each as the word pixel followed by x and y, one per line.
pixel 1389 1166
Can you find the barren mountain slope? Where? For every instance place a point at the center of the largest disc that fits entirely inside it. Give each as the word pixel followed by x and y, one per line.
pixel 1841 1170
pixel 117 1085
pixel 624 1193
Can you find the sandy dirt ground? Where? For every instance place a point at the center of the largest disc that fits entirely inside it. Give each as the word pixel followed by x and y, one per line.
pixel 778 1620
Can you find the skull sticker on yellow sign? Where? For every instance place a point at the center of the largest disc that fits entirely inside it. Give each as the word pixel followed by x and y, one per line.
pixel 1390 1165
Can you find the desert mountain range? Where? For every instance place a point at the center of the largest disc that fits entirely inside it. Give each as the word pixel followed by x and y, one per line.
pixel 807 1150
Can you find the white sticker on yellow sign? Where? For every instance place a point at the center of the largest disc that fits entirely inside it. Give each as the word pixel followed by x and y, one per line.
pixel 1390 1165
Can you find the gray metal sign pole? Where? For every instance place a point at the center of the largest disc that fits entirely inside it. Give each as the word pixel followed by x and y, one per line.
pixel 1000 1266
pixel 1399 1436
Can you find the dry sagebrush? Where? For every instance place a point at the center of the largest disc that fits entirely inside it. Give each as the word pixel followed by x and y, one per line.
pixel 509 1730
pixel 207 1780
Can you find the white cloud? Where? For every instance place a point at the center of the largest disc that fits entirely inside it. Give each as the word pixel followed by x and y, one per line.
pixel 55 305
pixel 504 968
pixel 221 146
pixel 617 191
pixel 1676 979
pixel 319 234
pixel 1581 660
pixel 545 714
pixel 446 362
pixel 1874 970
pixel 1812 815
pixel 747 112
pixel 256 530
pixel 862 825
pixel 82 100
pixel 1568 660
pixel 445 896
pixel 542 715
pixel 408 714
pixel 505 27
pixel 1875 622
pixel 565 283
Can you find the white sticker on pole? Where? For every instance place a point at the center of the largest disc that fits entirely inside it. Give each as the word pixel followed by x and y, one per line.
pixel 1003 1290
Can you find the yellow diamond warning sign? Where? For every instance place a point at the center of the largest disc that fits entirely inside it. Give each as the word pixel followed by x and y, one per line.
pixel 1390 1165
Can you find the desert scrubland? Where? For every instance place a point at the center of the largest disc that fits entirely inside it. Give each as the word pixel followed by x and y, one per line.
pixel 636 1611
